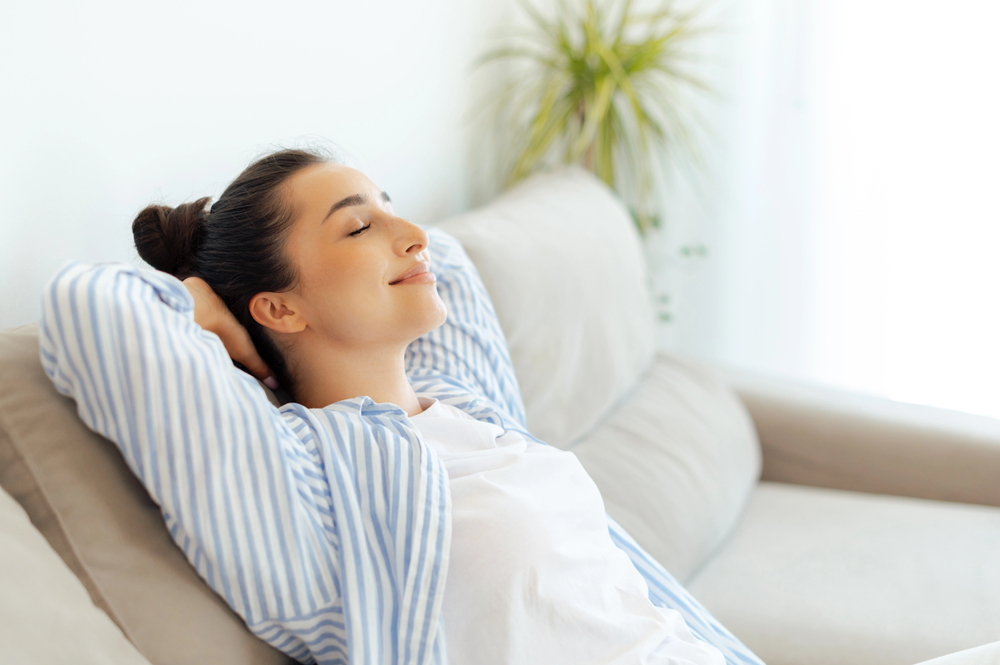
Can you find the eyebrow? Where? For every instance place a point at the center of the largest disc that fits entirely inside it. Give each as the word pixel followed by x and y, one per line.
pixel 353 200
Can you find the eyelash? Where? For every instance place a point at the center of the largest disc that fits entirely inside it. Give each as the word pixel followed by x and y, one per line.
pixel 354 233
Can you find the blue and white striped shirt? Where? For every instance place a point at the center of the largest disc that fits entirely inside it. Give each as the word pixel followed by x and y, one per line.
pixel 327 530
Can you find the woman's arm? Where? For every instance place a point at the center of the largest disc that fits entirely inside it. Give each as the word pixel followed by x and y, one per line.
pixel 230 475
pixel 211 314
pixel 469 351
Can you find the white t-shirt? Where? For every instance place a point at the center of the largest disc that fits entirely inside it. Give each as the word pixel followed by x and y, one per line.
pixel 533 575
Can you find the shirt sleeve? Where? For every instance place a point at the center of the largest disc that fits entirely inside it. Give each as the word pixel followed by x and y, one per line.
pixel 469 351
pixel 237 487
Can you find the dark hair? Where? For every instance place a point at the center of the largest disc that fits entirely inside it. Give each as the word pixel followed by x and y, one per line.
pixel 237 246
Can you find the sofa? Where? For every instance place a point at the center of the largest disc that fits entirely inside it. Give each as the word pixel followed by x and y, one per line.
pixel 820 527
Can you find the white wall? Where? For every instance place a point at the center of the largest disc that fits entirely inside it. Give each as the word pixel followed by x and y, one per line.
pixel 855 227
pixel 910 225
pixel 109 105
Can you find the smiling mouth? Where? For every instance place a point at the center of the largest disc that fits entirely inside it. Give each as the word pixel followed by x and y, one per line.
pixel 419 278
pixel 418 274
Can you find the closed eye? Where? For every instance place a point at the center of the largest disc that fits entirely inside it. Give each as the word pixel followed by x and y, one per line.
pixel 358 232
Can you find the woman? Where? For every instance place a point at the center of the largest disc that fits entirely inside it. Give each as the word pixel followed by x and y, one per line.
pixel 395 510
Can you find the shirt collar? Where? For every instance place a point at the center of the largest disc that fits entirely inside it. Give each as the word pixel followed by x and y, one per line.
pixel 366 407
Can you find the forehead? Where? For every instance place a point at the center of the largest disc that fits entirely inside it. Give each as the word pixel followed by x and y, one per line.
pixel 315 188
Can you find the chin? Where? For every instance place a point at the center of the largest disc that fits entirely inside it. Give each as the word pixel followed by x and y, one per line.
pixel 435 314
pixel 441 312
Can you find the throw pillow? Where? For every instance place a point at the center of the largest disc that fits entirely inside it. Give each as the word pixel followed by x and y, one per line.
pixel 41 599
pixel 561 260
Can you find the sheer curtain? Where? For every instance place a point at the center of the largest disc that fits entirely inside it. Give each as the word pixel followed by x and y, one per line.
pixel 858 233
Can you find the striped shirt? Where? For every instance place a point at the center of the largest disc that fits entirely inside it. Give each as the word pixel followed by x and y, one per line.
pixel 327 530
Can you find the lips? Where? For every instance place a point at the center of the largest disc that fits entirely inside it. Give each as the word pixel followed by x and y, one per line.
pixel 420 268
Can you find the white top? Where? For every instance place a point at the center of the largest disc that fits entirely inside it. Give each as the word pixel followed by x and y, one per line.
pixel 533 576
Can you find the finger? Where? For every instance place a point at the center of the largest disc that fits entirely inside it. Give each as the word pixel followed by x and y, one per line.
pixel 241 349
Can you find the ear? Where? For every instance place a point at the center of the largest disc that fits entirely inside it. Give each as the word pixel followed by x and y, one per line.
pixel 277 311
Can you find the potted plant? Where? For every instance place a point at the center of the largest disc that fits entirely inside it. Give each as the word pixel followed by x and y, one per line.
pixel 604 86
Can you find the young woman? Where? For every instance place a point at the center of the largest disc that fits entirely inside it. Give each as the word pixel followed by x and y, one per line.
pixel 395 510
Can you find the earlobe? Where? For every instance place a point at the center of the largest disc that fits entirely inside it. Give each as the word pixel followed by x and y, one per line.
pixel 272 311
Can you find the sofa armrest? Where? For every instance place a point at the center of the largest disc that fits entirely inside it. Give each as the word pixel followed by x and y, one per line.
pixel 829 438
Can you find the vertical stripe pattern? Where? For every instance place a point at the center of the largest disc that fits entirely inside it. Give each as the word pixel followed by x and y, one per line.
pixel 326 530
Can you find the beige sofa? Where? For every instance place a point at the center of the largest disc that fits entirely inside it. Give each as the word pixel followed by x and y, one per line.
pixel 873 537
pixel 819 527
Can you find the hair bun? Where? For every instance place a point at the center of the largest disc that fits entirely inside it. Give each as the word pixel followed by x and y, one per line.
pixel 167 238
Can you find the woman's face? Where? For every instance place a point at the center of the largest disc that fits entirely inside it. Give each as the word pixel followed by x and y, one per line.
pixel 350 252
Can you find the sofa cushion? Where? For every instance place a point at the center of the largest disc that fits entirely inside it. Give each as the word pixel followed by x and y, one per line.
pixel 79 493
pixel 42 599
pixel 562 262
pixel 676 462
pixel 987 654
pixel 822 577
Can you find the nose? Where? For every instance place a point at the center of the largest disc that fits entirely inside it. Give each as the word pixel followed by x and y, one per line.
pixel 410 238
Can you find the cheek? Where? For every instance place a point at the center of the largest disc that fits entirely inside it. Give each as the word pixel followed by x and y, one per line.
pixel 345 294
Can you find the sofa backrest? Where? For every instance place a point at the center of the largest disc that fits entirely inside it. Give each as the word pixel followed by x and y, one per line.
pixel 562 261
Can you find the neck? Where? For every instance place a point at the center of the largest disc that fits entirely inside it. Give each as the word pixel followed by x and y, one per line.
pixel 326 375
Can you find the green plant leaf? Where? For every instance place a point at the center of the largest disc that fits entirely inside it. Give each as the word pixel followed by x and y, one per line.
pixel 601 84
